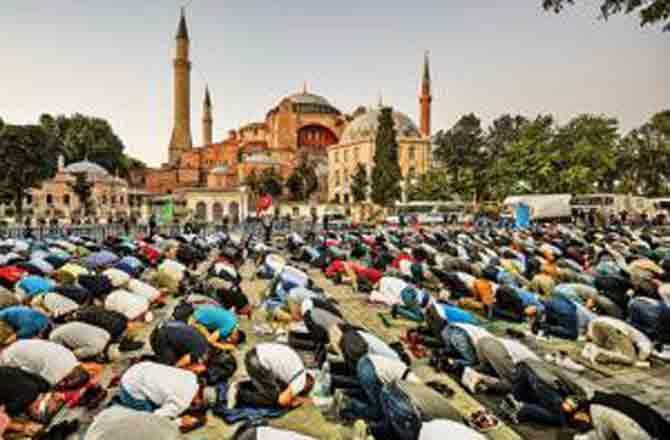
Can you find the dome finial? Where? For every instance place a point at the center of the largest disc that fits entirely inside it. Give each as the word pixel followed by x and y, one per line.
pixel 380 102
pixel 304 87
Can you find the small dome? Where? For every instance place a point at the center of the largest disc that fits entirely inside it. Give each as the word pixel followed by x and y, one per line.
pixel 310 103
pixel 87 167
pixel 365 126
pixel 261 159
pixel 221 170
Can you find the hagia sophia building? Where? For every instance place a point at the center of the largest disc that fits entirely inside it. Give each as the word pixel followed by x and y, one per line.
pixel 210 178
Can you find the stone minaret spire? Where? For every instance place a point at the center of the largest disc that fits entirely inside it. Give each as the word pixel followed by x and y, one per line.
pixel 181 140
pixel 207 119
pixel 425 98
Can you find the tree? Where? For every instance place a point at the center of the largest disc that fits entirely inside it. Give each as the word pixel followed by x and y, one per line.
pixel 303 181
pixel 650 11
pixel 252 182
pixel 270 182
pixel 502 133
pixel 83 188
pixel 28 156
pixel 386 173
pixel 463 151
pixel 648 160
pixel 433 185
pixel 86 137
pixel 360 184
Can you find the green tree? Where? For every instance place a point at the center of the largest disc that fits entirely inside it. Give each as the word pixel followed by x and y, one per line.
pixel 648 164
pixel 91 138
pixel 650 11
pixel 252 182
pixel 83 189
pixel 434 185
pixel 360 184
pixel 28 156
pixel 502 133
pixel 386 173
pixel 303 181
pixel 270 182
pixel 463 151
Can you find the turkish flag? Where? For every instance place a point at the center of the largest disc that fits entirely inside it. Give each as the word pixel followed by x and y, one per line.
pixel 263 203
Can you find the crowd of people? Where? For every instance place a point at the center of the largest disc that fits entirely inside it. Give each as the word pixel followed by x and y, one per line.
pixel 70 306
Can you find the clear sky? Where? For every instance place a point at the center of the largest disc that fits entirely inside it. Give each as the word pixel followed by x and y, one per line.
pixel 113 59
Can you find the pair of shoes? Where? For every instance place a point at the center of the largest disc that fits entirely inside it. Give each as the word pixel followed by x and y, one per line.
pixel 340 402
pixel 512 402
pixel 470 379
pixel 360 430
pixel 562 360
pixel 231 395
pixel 509 411
pixel 590 352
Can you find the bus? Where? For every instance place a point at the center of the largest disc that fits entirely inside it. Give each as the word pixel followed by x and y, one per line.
pixel 426 212
pixel 611 203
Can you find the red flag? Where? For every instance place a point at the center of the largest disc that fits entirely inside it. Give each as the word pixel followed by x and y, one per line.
pixel 263 203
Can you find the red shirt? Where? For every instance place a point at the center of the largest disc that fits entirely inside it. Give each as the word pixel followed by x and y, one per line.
pixel 335 267
pixel 372 275
pixel 399 258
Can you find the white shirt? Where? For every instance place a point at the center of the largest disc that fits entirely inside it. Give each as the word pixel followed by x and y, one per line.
pixel 119 422
pixel 517 351
pixel 377 346
pixel 467 279
pixel 173 269
pixel 130 305
pixel 640 340
pixel 170 388
pixel 84 339
pixel 143 289
pixel 405 267
pixel 389 370
pixel 117 277
pixel 283 361
pixel 391 287
pixel 47 359
pixel 58 304
pixel 269 433
pixel 446 429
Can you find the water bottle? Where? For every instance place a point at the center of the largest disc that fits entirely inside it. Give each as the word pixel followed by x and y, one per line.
pixel 326 379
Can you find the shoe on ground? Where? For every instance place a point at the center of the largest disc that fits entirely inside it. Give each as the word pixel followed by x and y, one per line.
pixel 231 395
pixel 360 430
pixel 662 354
pixel 564 361
pixel 509 412
pixel 340 402
pixel 470 379
pixel 512 402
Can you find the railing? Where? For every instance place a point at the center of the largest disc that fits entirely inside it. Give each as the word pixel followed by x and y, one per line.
pixel 98 232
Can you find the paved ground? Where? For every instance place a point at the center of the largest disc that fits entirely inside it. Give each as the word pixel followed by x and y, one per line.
pixel 651 385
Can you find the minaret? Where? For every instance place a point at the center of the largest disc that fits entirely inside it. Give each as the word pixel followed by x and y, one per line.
pixel 181 140
pixel 207 119
pixel 425 98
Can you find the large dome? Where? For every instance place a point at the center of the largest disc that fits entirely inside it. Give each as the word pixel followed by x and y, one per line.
pixel 310 103
pixel 365 126
pixel 84 166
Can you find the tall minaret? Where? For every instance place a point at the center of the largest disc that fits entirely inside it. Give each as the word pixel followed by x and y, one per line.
pixel 207 119
pixel 181 140
pixel 425 98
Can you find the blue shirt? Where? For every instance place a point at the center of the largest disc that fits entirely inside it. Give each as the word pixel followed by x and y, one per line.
pixel 34 285
pixel 25 321
pixel 455 314
pixel 216 318
pixel 528 299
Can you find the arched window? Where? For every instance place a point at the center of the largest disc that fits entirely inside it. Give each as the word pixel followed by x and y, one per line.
pixel 217 212
pixel 411 174
pixel 66 199
pixel 104 200
pixel 29 199
pixel 50 199
pixel 201 211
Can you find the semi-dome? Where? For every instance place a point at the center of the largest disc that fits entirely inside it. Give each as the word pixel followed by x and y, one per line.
pixel 220 170
pixel 84 166
pixel 305 102
pixel 365 126
pixel 260 159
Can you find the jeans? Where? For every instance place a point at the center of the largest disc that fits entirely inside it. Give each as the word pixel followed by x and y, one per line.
pixel 644 314
pixel 400 421
pixel 369 407
pixel 125 399
pixel 459 344
pixel 410 313
pixel 540 402
pixel 561 318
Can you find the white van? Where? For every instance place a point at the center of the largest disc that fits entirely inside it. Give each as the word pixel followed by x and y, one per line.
pixel 612 203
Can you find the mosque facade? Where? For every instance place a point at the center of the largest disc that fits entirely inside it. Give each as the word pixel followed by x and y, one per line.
pixel 302 126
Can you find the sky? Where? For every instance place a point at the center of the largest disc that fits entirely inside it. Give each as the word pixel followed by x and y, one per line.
pixel 113 59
